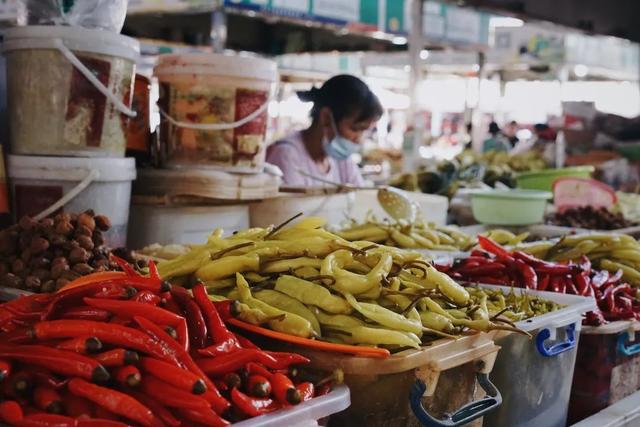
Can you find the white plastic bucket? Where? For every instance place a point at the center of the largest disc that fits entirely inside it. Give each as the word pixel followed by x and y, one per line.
pixel 44 185
pixel 69 90
pixel 149 223
pixel 333 207
pixel 214 110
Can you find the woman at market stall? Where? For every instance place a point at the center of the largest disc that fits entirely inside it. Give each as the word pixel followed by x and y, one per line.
pixel 344 108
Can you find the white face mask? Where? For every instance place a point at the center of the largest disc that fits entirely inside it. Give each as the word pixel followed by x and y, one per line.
pixel 339 147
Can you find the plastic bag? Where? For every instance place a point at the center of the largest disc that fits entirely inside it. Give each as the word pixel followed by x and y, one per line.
pixel 98 14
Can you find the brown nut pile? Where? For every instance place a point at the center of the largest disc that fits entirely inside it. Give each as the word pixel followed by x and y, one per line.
pixel 590 218
pixel 43 256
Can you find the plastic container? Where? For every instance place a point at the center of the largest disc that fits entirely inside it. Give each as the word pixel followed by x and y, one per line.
pixel 41 186
pixel 607 368
pixel 69 90
pixel 433 208
pixel 509 207
pixel 543 180
pixel 436 386
pixel 534 375
pixel 307 414
pixel 214 110
pixel 150 223
pixel 334 207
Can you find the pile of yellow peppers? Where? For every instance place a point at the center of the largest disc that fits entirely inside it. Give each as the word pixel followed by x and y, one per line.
pixel 417 235
pixel 306 281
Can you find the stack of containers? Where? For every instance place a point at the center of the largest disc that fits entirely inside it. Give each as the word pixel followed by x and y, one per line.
pixel 213 124
pixel 69 99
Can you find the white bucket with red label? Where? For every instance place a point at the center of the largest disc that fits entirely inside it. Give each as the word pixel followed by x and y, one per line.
pixel 69 90
pixel 41 186
pixel 214 110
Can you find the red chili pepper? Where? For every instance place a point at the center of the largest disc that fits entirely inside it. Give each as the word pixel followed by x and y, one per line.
pixel 47 399
pixel 108 333
pixel 45 378
pixel 11 412
pixel 232 362
pixel 220 335
pixel 195 318
pixel 170 304
pixel 258 386
pixel 227 309
pixel 99 422
pixel 555 283
pixel 112 400
pixel 285 360
pixel 284 390
pixel 252 406
pixel 164 414
pixel 153 270
pixel 58 361
pixel 178 377
pixel 245 342
pixel 116 291
pixel 307 390
pixel 491 246
pixel 82 345
pixel 75 406
pixel 100 412
pixel 543 283
pixel 128 376
pixel 124 266
pixel 85 313
pixel 170 396
pixel 528 274
pixel 117 357
pixel 129 309
pixel 615 278
pixel 18 385
pixel 47 420
pixel 204 416
pixel 5 369
pixel 256 369
pixel 213 396
pixel 583 283
pixel 147 297
pixel 71 296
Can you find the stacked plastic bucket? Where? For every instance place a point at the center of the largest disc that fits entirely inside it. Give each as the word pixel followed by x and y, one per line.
pixel 69 102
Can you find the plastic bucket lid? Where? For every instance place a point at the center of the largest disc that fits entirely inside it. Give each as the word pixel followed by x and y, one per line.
pixel 70 168
pixel 76 39
pixel 217 65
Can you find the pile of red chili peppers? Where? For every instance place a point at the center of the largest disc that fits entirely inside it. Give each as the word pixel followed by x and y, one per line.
pixel 493 264
pixel 131 350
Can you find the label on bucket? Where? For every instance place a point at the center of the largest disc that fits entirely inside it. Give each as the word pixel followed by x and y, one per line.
pixel 242 147
pixel 32 199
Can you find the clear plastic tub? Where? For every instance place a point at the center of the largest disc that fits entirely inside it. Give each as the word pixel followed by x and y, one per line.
pixel 625 413
pixel 535 375
pixel 607 368
pixel 444 384
pixel 307 414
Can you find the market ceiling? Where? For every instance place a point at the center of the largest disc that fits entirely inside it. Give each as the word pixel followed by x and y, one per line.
pixel 614 17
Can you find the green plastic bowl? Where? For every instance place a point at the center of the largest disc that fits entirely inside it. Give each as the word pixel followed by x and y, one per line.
pixel 543 180
pixel 509 207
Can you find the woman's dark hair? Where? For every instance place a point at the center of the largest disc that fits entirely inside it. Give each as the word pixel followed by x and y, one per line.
pixel 345 96
pixel 493 128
